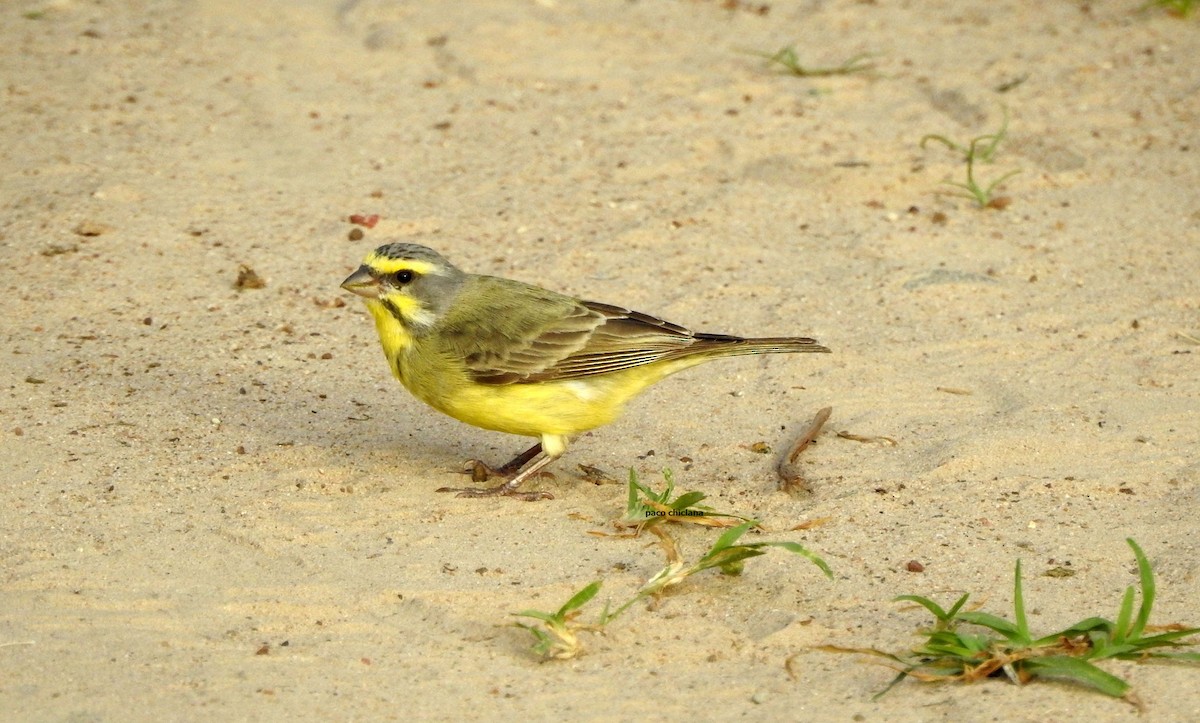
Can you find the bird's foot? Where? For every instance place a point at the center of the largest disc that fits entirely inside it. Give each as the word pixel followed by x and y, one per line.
pixel 481 471
pixel 511 488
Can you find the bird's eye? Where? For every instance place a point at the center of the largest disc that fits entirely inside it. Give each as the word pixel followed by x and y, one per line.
pixel 400 278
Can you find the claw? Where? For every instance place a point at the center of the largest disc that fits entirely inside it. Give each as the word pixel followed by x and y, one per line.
pixel 480 471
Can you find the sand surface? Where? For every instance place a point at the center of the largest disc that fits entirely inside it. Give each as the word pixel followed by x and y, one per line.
pixel 217 505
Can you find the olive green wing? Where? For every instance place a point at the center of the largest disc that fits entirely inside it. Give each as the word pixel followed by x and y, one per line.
pixel 508 332
pixel 624 339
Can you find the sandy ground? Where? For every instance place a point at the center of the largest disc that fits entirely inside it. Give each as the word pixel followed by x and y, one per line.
pixel 217 504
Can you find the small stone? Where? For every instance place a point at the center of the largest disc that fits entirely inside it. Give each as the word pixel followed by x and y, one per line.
pixel 248 278
pixel 91 228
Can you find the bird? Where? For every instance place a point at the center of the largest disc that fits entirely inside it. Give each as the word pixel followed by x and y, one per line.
pixel 513 357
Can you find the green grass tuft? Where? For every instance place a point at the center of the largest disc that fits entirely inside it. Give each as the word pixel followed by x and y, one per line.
pixel 978 149
pixel 558 635
pixel 788 59
pixel 1008 648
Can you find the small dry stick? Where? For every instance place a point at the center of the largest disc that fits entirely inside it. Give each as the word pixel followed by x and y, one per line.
pixel 791 480
pixel 886 441
pixel 954 390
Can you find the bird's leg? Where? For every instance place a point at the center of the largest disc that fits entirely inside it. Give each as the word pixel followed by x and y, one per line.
pixel 511 487
pixel 481 471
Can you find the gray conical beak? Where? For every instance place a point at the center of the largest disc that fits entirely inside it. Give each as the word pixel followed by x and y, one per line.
pixel 361 282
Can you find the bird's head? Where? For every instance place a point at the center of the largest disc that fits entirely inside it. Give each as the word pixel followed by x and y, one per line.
pixel 407 284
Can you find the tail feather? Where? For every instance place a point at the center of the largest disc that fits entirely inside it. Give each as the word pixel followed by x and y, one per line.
pixel 736 345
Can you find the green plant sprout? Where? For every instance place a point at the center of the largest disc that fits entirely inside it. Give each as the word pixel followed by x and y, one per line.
pixel 558 638
pixel 982 195
pixel 1178 8
pixel 981 148
pixel 646 508
pixel 987 153
pixel 790 61
pixel 725 554
pixel 1008 648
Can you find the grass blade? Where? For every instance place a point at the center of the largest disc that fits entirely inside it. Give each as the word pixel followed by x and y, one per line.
pixel 580 598
pixel 1147 578
pixel 1121 630
pixel 928 604
pixel 1080 671
pixel 686 500
pixel 730 536
pixel 803 551
pixel 1019 609
pixel 992 622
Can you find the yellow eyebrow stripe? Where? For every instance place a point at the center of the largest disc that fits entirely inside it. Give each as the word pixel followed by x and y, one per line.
pixel 384 265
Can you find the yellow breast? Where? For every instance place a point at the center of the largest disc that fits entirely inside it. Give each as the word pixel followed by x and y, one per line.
pixel 562 407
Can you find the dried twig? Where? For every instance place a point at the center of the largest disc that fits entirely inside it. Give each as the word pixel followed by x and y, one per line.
pixel 886 441
pixel 955 390
pixel 791 480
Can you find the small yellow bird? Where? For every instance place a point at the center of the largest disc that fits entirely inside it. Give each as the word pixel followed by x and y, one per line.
pixel 517 358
